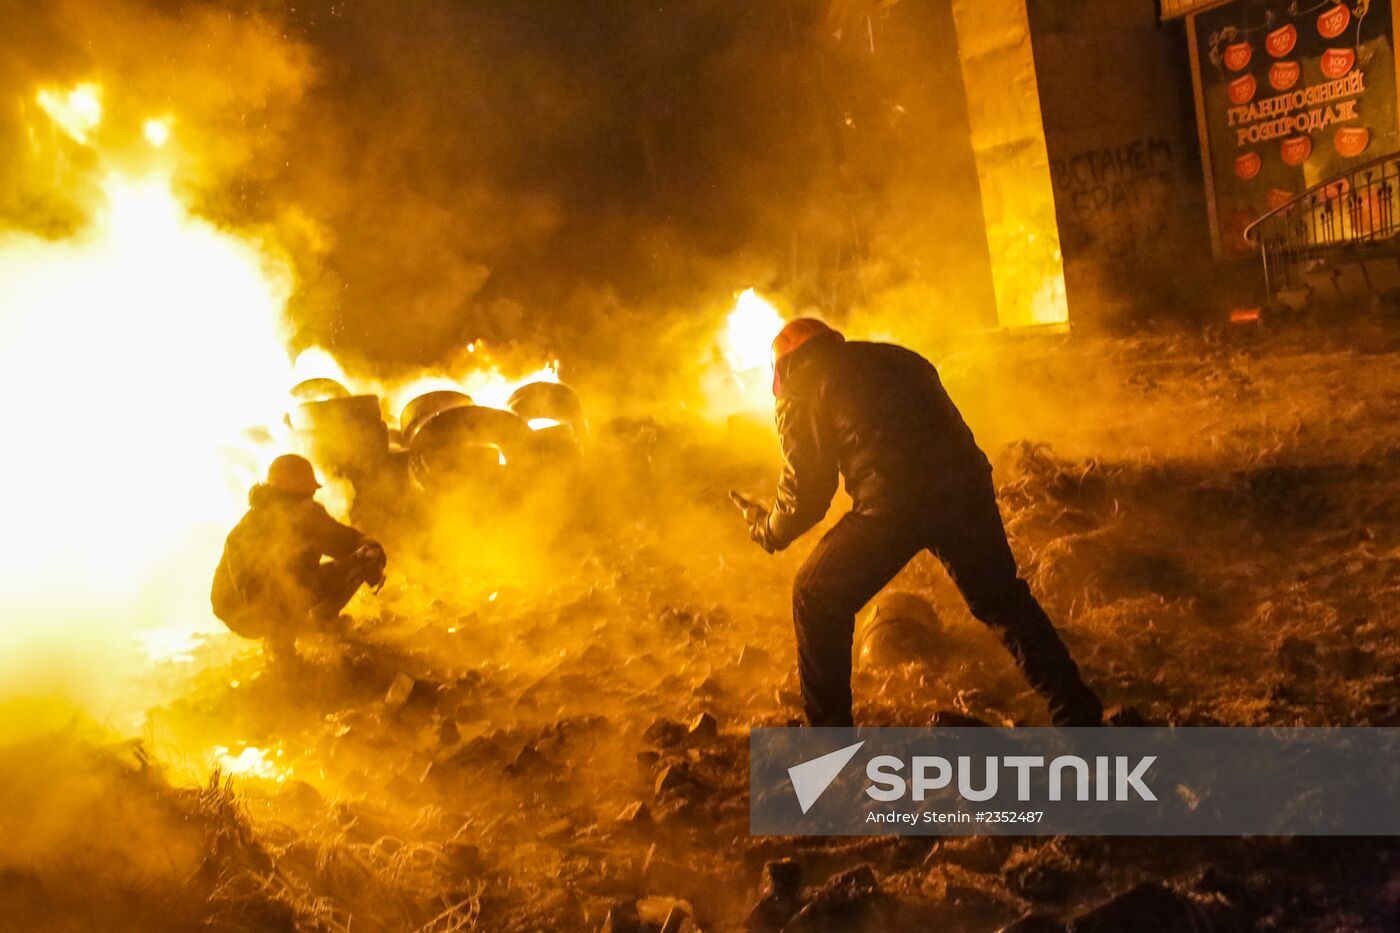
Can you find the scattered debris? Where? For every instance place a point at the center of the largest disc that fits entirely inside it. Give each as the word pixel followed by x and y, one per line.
pixel 622 918
pixel 635 813
pixel 1035 923
pixel 665 914
pixel 752 658
pixel 703 728
pixel 839 903
pixel 779 899
pixel 1148 906
pixel 399 692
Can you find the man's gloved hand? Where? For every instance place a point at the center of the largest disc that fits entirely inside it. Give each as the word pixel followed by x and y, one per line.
pixel 758 528
pixel 755 516
pixel 372 555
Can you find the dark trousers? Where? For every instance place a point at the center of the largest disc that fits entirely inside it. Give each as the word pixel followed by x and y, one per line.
pixel 327 591
pixel 863 553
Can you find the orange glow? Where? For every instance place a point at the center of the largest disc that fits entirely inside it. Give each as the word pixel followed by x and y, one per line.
pixel 77 112
pixel 157 132
pixel 478 377
pixel 746 344
pixel 136 352
pixel 487 386
pixel 250 762
pixel 151 341
pixel 749 332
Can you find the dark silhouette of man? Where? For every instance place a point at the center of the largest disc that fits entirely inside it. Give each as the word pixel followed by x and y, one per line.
pixel 287 566
pixel 877 416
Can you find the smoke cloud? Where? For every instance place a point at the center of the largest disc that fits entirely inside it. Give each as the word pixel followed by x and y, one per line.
pixel 593 176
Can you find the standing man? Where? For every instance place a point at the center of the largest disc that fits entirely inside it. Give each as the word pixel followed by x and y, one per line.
pixel 288 567
pixel 878 416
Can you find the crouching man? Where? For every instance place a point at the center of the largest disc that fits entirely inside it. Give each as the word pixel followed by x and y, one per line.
pixel 877 415
pixel 288 567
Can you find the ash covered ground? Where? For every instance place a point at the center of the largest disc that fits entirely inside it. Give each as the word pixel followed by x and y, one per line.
pixel 544 715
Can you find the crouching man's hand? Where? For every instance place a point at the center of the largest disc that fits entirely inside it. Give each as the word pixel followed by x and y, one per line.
pixel 374 560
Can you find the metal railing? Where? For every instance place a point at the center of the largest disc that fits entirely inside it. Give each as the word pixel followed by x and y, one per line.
pixel 1349 213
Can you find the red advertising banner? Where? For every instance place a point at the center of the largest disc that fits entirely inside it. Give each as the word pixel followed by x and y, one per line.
pixel 1290 92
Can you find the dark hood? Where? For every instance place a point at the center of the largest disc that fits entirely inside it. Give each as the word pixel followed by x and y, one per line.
pixel 798 359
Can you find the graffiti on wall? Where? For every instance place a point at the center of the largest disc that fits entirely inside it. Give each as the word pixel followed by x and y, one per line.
pixel 1110 198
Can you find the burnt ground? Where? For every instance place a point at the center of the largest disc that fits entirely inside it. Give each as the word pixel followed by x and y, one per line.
pixel 507 743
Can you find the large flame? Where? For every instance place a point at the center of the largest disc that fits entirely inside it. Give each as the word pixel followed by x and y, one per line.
pixel 474 373
pixel 749 332
pixel 132 353
pixel 135 355
pixel 77 112
pixel 131 356
pixel 746 343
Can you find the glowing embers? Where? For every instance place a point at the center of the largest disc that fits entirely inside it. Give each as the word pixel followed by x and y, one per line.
pixel 157 132
pixel 77 112
pixel 248 761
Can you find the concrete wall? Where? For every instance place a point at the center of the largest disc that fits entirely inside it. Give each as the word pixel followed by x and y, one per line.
pixel 1008 140
pixel 1120 124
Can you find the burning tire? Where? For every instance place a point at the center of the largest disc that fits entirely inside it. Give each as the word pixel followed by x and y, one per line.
pixel 555 416
pixel 546 406
pixel 467 445
pixel 318 390
pixel 421 409
pixel 344 435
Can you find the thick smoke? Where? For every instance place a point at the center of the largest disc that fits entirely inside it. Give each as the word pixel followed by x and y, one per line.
pixel 558 175
pixel 589 176
pixel 230 87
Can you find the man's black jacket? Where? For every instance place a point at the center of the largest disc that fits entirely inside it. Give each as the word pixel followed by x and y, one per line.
pixel 876 415
pixel 270 558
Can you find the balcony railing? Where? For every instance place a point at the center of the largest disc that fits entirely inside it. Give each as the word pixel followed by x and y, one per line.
pixel 1353 215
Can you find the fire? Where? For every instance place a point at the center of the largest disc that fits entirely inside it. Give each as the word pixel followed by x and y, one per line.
pixel 483 381
pixel 157 132
pixel 143 347
pixel 315 363
pixel 77 112
pixel 747 346
pixel 478 377
pixel 250 762
pixel 132 353
pixel 748 337
pixel 137 354
pixel 171 645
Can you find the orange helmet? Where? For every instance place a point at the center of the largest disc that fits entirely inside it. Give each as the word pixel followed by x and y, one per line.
pixel 793 335
pixel 291 473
